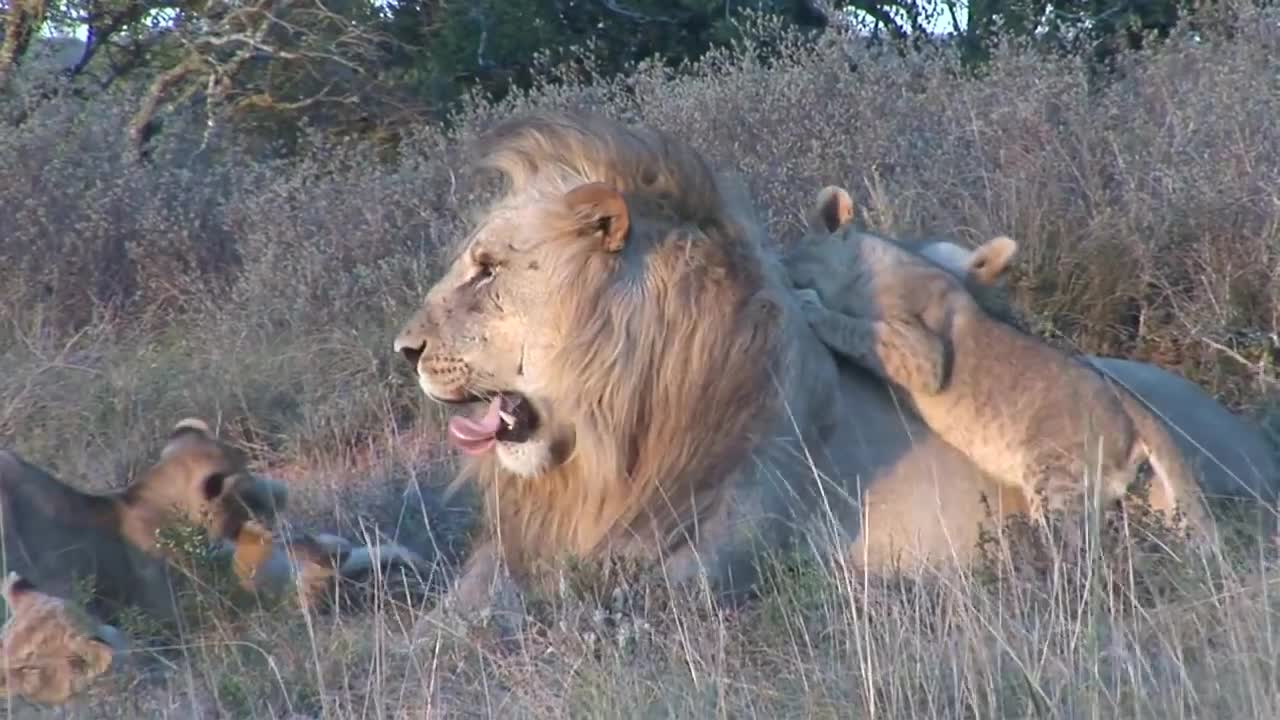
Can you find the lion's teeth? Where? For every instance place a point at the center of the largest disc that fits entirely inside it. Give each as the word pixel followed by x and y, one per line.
pixel 507 418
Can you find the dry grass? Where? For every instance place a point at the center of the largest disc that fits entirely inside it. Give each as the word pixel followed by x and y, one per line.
pixel 264 295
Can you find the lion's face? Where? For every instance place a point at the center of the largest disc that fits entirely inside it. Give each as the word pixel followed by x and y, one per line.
pixel 488 329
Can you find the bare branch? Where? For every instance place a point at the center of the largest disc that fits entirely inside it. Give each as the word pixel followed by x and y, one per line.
pixel 877 12
pixel 141 127
pixel 275 55
pixel 613 7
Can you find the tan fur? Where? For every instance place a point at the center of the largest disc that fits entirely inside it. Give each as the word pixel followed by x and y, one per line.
pixel 56 535
pixel 50 649
pixel 1025 412
pixel 686 412
pixel 262 563
pixel 984 270
pixel 620 355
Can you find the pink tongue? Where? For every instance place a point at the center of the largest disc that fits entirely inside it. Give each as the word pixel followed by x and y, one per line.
pixel 476 436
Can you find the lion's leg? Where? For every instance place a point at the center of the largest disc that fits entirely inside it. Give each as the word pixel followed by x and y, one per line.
pixel 484 588
pixel 898 349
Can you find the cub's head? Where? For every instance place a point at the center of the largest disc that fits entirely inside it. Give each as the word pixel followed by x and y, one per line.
pixel 986 266
pixel 828 244
pixel 828 248
pixel 207 481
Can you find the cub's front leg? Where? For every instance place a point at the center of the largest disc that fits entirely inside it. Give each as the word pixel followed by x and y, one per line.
pixel 898 349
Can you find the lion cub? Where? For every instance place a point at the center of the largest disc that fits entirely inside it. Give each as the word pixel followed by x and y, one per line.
pixel 1026 413
pixel 262 563
pixel 57 535
pixel 50 649
pixel 310 564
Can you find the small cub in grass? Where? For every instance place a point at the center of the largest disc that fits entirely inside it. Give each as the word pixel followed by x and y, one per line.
pixel 50 649
pixel 1026 413
pixel 311 565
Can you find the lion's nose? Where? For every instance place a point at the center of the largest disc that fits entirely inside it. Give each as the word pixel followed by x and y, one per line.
pixel 411 350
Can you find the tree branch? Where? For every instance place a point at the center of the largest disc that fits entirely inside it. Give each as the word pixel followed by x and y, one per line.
pixel 26 18
pixel 142 126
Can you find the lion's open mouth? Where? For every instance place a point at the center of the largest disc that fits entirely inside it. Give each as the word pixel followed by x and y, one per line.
pixel 508 417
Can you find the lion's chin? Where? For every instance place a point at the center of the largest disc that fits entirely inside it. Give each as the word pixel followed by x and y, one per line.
pixel 527 459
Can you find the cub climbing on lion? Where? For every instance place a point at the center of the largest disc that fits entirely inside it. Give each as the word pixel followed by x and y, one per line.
pixel 1026 413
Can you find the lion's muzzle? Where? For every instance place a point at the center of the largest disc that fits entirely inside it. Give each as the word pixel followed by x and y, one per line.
pixel 411 349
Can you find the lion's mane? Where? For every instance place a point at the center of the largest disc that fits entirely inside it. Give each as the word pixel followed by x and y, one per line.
pixel 669 374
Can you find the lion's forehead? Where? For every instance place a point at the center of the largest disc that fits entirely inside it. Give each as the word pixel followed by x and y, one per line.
pixel 508 230
pixel 206 458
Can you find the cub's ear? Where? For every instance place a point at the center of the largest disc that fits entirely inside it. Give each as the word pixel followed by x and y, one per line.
pixel 186 429
pixel 832 210
pixel 990 261
pixel 600 211
pixel 191 423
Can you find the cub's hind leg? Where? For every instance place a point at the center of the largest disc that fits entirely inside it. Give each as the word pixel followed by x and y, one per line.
pixel 1056 494
pixel 898 349
pixel 1068 487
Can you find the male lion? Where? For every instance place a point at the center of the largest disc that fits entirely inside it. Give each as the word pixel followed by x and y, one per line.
pixel 650 386
pixel 56 535
pixel 1027 413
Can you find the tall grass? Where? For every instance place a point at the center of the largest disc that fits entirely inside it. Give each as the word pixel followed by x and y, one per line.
pixel 263 294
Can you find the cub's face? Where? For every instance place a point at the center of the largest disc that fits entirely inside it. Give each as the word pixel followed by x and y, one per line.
pixel 829 244
pixel 825 256
pixel 822 261
pixel 210 481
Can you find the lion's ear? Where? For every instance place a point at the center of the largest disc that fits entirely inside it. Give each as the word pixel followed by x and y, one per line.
pixel 601 211
pixel 832 210
pixel 990 261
